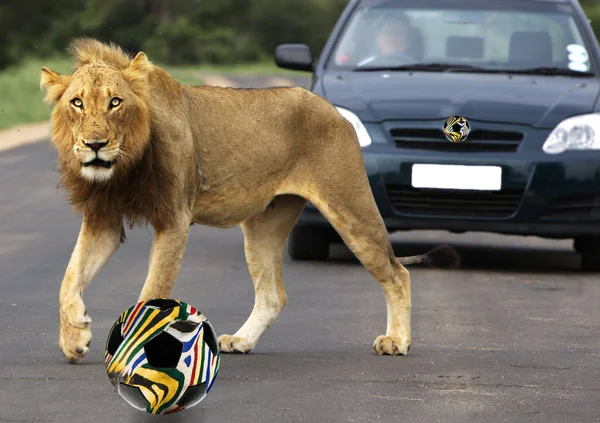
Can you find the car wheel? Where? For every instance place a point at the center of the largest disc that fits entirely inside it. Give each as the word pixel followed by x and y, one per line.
pixel 589 249
pixel 306 243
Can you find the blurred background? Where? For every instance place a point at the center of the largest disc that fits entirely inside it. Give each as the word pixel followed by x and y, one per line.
pixel 171 31
pixel 193 39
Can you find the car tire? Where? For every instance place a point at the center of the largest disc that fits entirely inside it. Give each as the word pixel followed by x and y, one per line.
pixel 589 249
pixel 307 243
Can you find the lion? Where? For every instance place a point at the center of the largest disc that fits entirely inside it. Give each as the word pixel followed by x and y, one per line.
pixel 134 146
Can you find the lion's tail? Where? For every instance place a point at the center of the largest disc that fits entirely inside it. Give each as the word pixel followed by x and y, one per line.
pixel 443 257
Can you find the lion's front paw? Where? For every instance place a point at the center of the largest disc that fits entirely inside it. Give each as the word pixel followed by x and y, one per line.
pixel 389 345
pixel 234 344
pixel 75 335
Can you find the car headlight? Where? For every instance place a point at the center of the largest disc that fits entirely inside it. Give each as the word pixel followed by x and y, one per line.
pixel 575 133
pixel 363 135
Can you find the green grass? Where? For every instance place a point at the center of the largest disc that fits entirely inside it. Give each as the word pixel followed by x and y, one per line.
pixel 21 100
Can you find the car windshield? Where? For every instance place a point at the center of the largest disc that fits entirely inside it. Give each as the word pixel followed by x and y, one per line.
pixel 463 35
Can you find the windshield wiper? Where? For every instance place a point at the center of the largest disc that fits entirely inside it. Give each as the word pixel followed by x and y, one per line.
pixel 449 67
pixel 548 70
pixel 424 67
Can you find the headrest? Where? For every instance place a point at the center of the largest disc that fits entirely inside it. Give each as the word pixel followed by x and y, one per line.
pixel 530 48
pixel 471 47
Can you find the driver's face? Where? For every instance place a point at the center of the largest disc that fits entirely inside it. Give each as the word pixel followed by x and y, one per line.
pixel 392 37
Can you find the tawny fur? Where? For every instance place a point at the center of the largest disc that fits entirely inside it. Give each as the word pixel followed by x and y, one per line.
pixel 214 156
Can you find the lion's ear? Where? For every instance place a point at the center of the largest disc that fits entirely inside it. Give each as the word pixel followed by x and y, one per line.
pixel 55 84
pixel 137 72
pixel 140 63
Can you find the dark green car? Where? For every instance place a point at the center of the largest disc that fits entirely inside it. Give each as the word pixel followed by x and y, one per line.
pixel 525 75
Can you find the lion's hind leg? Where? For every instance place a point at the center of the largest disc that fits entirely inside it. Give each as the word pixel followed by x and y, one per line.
pixel 342 193
pixel 264 244
pixel 361 227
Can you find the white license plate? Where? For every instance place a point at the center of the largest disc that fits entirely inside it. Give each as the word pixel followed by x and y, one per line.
pixel 484 178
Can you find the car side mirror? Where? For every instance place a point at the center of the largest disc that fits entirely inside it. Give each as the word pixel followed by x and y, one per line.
pixel 294 56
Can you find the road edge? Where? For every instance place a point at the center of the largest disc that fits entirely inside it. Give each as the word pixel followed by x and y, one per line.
pixel 24 134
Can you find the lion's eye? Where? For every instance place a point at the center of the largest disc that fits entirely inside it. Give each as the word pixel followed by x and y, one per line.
pixel 77 102
pixel 115 102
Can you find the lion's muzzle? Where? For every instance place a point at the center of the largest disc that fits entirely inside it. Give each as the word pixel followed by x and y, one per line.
pixel 97 155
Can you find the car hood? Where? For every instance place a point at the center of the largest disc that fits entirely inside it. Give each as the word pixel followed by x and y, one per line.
pixel 539 101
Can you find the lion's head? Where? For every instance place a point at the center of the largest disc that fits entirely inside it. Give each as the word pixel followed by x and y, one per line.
pixel 100 121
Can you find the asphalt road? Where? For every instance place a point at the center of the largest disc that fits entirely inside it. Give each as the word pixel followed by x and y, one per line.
pixel 512 336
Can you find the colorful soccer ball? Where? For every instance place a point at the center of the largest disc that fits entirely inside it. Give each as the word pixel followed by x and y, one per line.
pixel 162 356
pixel 456 129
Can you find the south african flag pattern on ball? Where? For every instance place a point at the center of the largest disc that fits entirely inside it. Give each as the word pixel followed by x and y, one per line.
pixel 456 129
pixel 162 355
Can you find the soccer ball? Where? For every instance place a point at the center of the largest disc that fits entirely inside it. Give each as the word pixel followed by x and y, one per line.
pixel 456 129
pixel 162 356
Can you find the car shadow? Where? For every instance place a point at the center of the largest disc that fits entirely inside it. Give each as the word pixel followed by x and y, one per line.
pixel 520 256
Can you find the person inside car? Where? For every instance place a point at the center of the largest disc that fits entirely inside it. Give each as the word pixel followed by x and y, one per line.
pixel 395 42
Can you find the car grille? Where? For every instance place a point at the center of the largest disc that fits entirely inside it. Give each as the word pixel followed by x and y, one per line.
pixel 577 207
pixel 479 140
pixel 456 203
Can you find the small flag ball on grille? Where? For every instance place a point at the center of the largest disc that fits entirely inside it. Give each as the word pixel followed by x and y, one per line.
pixel 456 129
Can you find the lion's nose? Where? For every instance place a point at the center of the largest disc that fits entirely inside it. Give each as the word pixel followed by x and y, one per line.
pixel 95 145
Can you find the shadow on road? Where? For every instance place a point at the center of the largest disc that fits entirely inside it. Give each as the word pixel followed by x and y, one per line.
pixel 488 257
pixel 181 417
